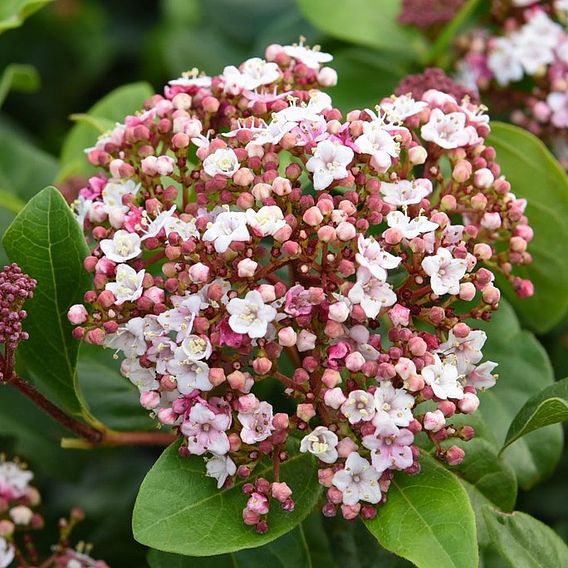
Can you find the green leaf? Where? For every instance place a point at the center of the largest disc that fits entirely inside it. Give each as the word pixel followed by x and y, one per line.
pixel 447 35
pixel 16 77
pixel 46 241
pixel 290 549
pixel 112 398
pixel 101 125
pixel 365 22
pixel 536 176
pixel 180 510
pixel 113 108
pixel 549 406
pixel 14 12
pixel 525 542
pixel 11 202
pixel 428 519
pixel 524 370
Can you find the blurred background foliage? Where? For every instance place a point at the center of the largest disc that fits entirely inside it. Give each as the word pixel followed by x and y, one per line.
pixel 72 53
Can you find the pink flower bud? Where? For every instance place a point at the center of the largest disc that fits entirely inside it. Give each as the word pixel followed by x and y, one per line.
pixel 462 171
pixel 338 312
pixel 246 268
pixel 77 314
pixel 262 365
pixel 280 491
pixel 248 403
pixel 447 407
pixel 281 421
pixel 345 447
pixel 237 380
pixel 306 341
pixel 281 186
pixel 243 177
pixel 313 217
pixel 250 517
pixel 434 421
pixel 261 191
pixel 345 231
pixel 21 515
pixel 199 272
pixel 327 77
pixel 305 411
pixel 167 416
pixel 469 403
pixel 399 315
pixel 417 155
pixel 454 455
pixel 149 400
pixel 116 217
pixel 287 337
pixel 350 512
pixel 334 398
pixel 354 361
pixel 491 295
pixel 483 178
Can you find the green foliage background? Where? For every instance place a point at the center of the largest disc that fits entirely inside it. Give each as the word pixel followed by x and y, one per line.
pixel 83 49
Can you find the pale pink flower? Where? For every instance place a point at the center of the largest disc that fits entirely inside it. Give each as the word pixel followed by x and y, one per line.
pixel 358 481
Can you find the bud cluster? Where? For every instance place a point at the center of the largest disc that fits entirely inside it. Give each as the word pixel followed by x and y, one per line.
pixel 247 231
pixel 19 518
pixel 520 61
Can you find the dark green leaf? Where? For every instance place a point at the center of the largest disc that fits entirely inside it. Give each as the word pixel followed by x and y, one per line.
pixel 428 519
pixel 524 370
pixel 536 176
pixel 14 12
pixel 180 510
pixel 365 22
pixel 549 406
pixel 16 77
pixel 46 241
pixel 113 108
pixel 289 550
pixel 523 541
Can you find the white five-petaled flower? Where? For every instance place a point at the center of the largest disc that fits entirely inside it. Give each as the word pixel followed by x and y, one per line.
pixel 329 163
pixel 321 442
pixel 7 553
pixel 406 192
pixel 359 407
pixel 259 72
pixel 206 430
pixel 371 293
pixel 128 338
pixel 311 58
pixel 250 315
pixel 114 191
pixel 14 480
pixel 128 284
pixel 266 221
pixel 372 256
pixel 503 61
pixel 445 272
pixel 229 226
pixel 223 161
pixel 220 467
pixel 379 143
pixel 410 228
pixel 448 130
pixel 197 347
pixel 186 230
pixel 404 106
pixel 393 404
pixel 443 379
pixel 390 446
pixel 257 424
pixel 466 350
pixel 142 377
pixel 358 481
pixel 189 374
pixel 157 224
pixel 122 247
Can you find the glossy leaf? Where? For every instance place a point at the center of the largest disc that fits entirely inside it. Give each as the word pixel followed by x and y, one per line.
pixel 290 549
pixel 536 176
pixel 17 77
pixel 180 510
pixel 46 241
pixel 14 12
pixel 428 519
pixel 365 22
pixel 549 406
pixel 113 108
pixel 523 541
pixel 524 370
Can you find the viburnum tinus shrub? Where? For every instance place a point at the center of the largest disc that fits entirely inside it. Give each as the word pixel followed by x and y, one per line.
pixel 20 519
pixel 243 230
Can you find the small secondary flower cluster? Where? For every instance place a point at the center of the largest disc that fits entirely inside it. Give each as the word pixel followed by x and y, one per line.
pixel 429 15
pixel 520 61
pixel 244 230
pixel 19 517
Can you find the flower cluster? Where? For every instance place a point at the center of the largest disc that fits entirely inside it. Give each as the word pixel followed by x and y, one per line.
pixel 244 230
pixel 429 14
pixel 521 61
pixel 15 288
pixel 19 518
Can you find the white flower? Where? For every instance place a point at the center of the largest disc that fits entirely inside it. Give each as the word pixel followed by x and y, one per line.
pixel 321 442
pixel 189 374
pixel 482 377
pixel 81 208
pixel 373 294
pixel 445 272
pixel 229 226
pixel 13 480
pixel 558 103
pixel 7 553
pixel 466 350
pixel 192 79
pixel 258 72
pixel 250 316
pixel 410 228
pixel 378 142
pixel 197 347
pixel 155 226
pixel 122 247
pixel 394 404
pixel 114 191
pixel 329 163
pixel 311 58
pixel 443 378
pixel 358 481
pixel 184 229
pixel 399 108
pixel 374 258
pixel 359 407
pixel 220 467
pixel 142 377
pixel 223 161
pixel 128 338
pixel 532 49
pixel 448 130
pixel 267 220
pixel 128 284
pixel 503 61
pixel 406 192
